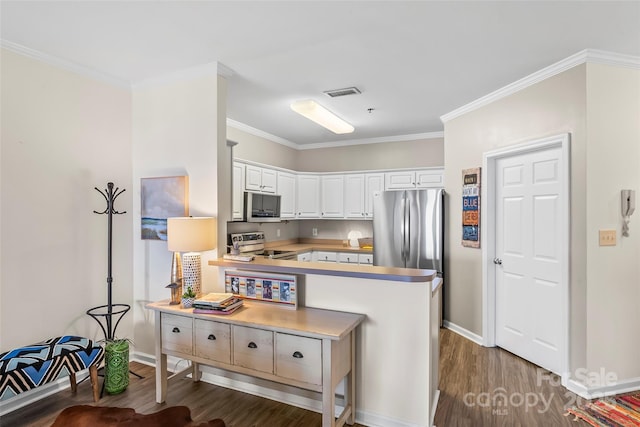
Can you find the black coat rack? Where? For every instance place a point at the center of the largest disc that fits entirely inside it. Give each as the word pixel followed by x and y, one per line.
pixel 105 315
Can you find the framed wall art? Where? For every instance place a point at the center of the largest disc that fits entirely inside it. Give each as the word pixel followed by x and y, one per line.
pixel 471 208
pixel 162 198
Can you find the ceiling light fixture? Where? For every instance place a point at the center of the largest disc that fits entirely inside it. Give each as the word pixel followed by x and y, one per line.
pixel 317 113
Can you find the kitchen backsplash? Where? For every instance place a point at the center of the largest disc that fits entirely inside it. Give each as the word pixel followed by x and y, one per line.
pixel 327 229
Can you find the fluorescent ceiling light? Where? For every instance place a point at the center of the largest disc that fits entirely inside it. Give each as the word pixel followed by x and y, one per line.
pixel 317 113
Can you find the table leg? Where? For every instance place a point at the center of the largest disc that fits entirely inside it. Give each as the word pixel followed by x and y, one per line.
pixel 161 363
pixel 328 392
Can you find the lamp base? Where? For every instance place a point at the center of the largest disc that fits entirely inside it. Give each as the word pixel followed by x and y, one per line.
pixel 191 269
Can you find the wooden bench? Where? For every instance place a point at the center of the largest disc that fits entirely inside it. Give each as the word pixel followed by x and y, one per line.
pixel 25 368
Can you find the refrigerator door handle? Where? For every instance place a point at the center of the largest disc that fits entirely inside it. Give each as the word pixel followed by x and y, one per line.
pixel 405 229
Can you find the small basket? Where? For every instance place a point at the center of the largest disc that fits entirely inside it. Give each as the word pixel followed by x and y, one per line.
pixel 365 242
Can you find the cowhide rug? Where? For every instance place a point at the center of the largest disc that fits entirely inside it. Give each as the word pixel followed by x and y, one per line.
pixel 100 416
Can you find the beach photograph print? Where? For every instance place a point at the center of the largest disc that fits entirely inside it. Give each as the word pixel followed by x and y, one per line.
pixel 162 198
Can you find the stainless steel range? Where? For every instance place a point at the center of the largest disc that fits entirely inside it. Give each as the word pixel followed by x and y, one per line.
pixel 252 243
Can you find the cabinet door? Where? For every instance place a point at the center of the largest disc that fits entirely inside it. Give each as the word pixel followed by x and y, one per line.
pixel 430 178
pixel 238 191
pixel 213 341
pixel 332 196
pixel 308 196
pixel 374 182
pixel 177 333
pixel 299 358
pixel 354 196
pixel 304 257
pixel 322 256
pixel 269 181
pixel 253 348
pixel 347 258
pixel 287 191
pixel 404 180
pixel 366 259
pixel 253 178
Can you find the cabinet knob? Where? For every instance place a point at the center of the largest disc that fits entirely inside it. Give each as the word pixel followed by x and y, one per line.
pixel 176 330
pixel 211 337
pixel 298 355
pixel 252 345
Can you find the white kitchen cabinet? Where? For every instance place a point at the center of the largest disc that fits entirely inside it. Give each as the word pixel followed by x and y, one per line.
pixel 237 192
pixel 260 179
pixel 308 196
pixel 287 192
pixel 323 256
pixel 374 182
pixel 305 257
pixel 365 259
pixel 410 180
pixel 332 196
pixel 354 196
pixel 430 178
pixel 347 258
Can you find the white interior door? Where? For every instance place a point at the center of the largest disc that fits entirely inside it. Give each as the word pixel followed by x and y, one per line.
pixel 528 256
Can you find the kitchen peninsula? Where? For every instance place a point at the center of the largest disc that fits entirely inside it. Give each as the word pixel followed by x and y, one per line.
pixel 396 344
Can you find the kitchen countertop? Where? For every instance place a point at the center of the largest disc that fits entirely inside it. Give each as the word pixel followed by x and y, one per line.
pixel 330 269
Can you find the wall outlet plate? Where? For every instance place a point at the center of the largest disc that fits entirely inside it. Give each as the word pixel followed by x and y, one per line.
pixel 607 237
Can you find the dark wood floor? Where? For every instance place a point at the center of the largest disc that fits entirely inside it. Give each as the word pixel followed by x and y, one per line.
pixel 472 379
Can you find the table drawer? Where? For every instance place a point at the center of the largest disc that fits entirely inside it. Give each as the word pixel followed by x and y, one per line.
pixel 212 340
pixel 299 358
pixel 177 333
pixel 253 348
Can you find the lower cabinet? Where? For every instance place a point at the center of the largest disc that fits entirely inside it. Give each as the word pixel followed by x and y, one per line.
pixel 299 358
pixel 177 333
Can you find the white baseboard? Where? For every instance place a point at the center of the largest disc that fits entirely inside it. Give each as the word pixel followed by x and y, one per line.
pixel 463 332
pixel 624 386
pixel 279 394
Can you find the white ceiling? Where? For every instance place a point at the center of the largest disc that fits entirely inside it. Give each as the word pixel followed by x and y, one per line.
pixel 413 60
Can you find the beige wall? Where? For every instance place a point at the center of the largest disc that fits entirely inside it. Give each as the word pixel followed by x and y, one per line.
pixel 175 132
pixel 62 135
pixel 553 106
pixel 613 273
pixel 385 155
pixel 261 150
pixel 599 106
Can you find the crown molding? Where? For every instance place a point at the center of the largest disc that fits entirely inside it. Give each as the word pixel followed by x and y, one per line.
pixel 64 64
pixel 378 140
pixel 582 57
pixel 262 134
pixel 209 69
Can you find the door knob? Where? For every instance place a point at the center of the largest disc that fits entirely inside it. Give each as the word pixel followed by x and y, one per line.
pixel 497 261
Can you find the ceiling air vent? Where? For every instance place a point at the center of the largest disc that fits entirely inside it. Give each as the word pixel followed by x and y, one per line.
pixel 343 92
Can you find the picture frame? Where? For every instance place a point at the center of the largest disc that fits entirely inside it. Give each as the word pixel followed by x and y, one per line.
pixel 277 289
pixel 471 179
pixel 162 198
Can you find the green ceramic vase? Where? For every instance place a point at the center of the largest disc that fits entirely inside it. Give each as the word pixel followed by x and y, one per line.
pixel 116 366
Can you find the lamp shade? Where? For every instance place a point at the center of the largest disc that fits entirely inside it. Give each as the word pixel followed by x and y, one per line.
pixel 191 234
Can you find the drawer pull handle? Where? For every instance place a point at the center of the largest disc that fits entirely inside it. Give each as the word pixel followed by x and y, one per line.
pixel 298 355
pixel 211 337
pixel 252 345
pixel 176 330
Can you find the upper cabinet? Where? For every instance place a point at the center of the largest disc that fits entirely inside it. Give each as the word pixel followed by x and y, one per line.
pixel 347 195
pixel 237 192
pixel 332 196
pixel 410 180
pixel 287 191
pixel 260 179
pixel 308 196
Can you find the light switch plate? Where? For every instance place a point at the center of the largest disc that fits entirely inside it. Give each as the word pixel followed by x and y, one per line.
pixel 607 237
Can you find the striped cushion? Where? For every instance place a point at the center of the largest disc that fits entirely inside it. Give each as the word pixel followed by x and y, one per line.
pixel 28 367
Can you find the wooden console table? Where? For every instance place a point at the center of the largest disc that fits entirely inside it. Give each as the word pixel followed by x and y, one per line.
pixel 309 348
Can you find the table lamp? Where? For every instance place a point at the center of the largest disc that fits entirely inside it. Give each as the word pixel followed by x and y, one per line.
pixel 191 235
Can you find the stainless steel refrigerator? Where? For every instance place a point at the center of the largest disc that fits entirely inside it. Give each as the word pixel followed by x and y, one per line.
pixel 408 229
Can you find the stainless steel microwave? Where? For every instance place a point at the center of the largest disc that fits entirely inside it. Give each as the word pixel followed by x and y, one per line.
pixel 261 207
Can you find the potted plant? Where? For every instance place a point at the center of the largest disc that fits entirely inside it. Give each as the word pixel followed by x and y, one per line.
pixel 188 297
pixel 116 365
